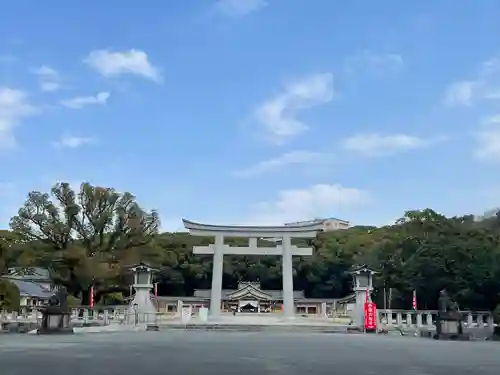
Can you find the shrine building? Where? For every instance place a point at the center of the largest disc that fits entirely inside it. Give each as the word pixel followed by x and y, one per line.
pixel 250 298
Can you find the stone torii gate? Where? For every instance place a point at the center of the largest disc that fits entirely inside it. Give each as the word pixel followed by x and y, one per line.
pixel 285 250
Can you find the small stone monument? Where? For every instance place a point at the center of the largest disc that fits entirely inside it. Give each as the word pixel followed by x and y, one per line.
pixel 56 317
pixel 449 324
pixel 141 308
pixel 362 283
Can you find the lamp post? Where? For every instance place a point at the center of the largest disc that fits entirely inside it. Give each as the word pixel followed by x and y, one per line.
pixel 363 286
pixel 142 305
pixel 136 314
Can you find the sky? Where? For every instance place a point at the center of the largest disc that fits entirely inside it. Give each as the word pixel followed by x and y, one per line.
pixel 254 111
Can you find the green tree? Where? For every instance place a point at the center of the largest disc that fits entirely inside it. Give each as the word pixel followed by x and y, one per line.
pixel 11 250
pixel 91 234
pixel 427 252
pixel 9 296
pixel 89 237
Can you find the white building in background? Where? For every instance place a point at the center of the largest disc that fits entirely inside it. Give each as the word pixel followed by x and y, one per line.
pixel 38 275
pixel 34 283
pixel 329 224
pixel 488 214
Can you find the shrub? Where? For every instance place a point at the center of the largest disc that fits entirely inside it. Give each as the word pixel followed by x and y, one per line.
pixel 10 297
pixel 496 314
pixel 73 301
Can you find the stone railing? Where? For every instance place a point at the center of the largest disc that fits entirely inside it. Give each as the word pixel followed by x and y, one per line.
pixel 105 315
pixel 99 315
pixel 390 319
pixel 6 317
pixel 427 318
pixel 83 315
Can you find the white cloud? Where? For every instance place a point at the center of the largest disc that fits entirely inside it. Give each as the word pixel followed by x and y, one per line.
pixel 488 139
pixel 14 107
pixel 172 225
pixel 491 120
pixel 460 93
pixel 377 62
pixel 490 66
pixel 493 94
pixel 50 86
pixel 82 101
pixel 48 77
pixel 133 61
pixel 238 8
pixel 317 201
pixel 290 158
pixel 69 141
pixel 488 144
pixel 373 144
pixel 278 115
pixel 484 86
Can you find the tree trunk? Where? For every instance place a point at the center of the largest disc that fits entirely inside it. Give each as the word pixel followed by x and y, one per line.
pixel 85 297
pixel 102 292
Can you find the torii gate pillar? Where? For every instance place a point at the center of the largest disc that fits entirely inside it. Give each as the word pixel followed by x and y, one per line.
pixel 285 250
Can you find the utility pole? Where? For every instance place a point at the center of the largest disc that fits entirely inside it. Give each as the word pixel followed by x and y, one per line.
pixel 385 300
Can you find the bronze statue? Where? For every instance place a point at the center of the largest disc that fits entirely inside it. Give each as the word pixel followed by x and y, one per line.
pixel 62 296
pixel 445 303
pixel 53 301
pixel 449 319
pixel 56 317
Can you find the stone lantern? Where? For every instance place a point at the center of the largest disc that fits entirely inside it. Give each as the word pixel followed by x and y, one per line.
pixel 141 308
pixel 362 283
pixel 143 276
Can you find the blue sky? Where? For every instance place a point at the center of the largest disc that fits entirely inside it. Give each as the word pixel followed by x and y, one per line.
pixel 253 111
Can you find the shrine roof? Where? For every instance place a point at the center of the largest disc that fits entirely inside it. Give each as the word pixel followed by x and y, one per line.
pixel 141 265
pixel 361 268
pixel 277 297
pixel 347 299
pixel 228 293
pixel 29 274
pixel 30 289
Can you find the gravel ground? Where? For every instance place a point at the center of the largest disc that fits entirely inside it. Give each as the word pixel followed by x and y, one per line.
pixel 238 353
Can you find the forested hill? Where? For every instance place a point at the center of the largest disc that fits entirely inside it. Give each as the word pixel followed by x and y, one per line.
pixel 90 241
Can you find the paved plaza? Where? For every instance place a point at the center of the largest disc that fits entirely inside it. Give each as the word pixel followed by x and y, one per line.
pixel 240 353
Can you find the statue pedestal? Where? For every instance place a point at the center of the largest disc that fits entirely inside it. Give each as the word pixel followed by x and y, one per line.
pixel 55 321
pixel 141 308
pixel 449 327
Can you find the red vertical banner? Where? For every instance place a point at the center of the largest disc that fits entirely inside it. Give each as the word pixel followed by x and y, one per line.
pixel 91 296
pixel 414 302
pixel 155 291
pixel 370 316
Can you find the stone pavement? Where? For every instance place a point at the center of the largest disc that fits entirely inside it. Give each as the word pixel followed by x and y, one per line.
pixel 243 353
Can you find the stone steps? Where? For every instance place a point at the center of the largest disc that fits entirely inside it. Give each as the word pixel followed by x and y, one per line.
pixel 256 328
pixel 18 327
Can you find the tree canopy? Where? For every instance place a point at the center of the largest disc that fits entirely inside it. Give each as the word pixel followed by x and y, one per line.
pixel 85 236
pixel 9 296
pixel 90 236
